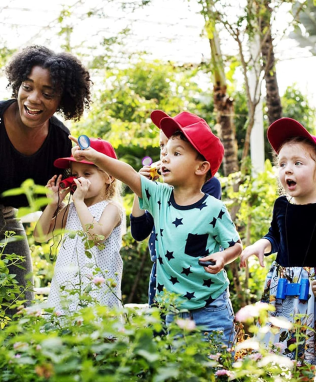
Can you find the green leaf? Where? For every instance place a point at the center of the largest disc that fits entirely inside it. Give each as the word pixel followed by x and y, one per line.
pixel 150 357
pixel 88 254
pixel 166 373
pixel 13 192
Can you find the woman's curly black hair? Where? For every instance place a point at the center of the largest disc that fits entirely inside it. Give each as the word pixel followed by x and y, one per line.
pixel 68 76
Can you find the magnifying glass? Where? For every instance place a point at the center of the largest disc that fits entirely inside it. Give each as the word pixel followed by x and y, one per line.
pixel 83 142
pixel 147 161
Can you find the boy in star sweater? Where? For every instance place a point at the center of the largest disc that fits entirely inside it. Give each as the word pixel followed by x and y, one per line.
pixel 190 225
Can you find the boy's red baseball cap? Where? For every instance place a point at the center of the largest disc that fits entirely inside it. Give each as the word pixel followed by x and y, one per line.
pixel 97 144
pixel 197 132
pixel 285 128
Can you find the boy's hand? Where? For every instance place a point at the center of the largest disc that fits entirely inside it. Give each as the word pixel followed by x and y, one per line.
pixel 313 286
pixel 147 171
pixel 55 193
pixel 252 250
pixel 219 263
pixel 88 154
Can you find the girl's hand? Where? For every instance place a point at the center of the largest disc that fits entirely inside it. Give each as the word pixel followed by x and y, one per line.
pixel 55 193
pixel 219 263
pixel 313 286
pixel 83 186
pixel 252 250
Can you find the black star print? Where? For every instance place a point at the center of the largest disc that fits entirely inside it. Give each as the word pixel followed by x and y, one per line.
pixel 186 271
pixel 160 260
pixel 189 295
pixel 214 237
pixel 177 222
pixel 156 236
pixel 147 193
pixel 213 222
pixel 231 243
pixel 220 215
pixel 209 300
pixel 160 287
pixel 169 203
pixel 208 282
pixel 174 280
pixel 169 255
pixel 159 202
pixel 161 231
pixel 201 206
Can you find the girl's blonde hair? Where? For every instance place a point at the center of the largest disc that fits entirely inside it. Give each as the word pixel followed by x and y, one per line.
pixel 113 190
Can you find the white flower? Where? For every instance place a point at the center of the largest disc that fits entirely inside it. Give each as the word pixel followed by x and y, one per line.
pixel 248 344
pixel 276 359
pixel 186 324
pixel 98 280
pixel 251 311
pixel 281 322
pixel 255 356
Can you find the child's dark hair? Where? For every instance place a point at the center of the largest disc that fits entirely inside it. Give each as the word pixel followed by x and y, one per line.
pixel 198 156
pixel 69 77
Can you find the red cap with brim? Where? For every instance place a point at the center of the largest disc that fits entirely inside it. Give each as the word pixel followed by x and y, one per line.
pixel 199 135
pixel 285 128
pixel 157 115
pixel 97 144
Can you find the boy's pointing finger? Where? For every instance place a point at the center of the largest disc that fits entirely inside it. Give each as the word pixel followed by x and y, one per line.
pixel 75 140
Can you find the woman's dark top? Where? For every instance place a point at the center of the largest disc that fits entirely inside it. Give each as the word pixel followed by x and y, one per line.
pixel 15 167
pixel 292 233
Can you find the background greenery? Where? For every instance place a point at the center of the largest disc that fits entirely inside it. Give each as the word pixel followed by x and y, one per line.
pixel 120 113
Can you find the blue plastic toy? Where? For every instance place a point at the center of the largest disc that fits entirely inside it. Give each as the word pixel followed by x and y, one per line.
pixel 300 289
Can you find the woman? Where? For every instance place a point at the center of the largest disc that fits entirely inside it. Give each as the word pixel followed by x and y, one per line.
pixel 31 137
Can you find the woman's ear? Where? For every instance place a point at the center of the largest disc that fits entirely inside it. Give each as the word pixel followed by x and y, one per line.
pixel 203 168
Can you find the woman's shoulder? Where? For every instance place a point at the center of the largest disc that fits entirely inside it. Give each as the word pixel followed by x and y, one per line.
pixel 5 104
pixel 59 124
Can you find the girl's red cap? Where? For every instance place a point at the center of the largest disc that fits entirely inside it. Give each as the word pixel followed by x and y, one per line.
pixel 285 128
pixel 97 144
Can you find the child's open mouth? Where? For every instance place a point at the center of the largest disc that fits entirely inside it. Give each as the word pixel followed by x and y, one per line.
pixel 291 184
pixel 164 170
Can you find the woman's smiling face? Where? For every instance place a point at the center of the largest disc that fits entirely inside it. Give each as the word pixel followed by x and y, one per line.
pixel 36 98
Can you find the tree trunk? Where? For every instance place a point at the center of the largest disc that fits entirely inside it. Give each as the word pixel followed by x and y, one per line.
pixel 224 109
pixel 272 89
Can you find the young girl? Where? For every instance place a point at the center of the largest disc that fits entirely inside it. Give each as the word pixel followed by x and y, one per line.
pixel 78 273
pixel 292 235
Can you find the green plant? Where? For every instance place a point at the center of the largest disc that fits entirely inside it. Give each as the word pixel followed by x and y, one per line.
pixel 11 293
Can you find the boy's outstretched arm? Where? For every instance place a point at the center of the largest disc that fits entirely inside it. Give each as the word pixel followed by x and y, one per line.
pixel 118 169
pixel 259 248
pixel 222 258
